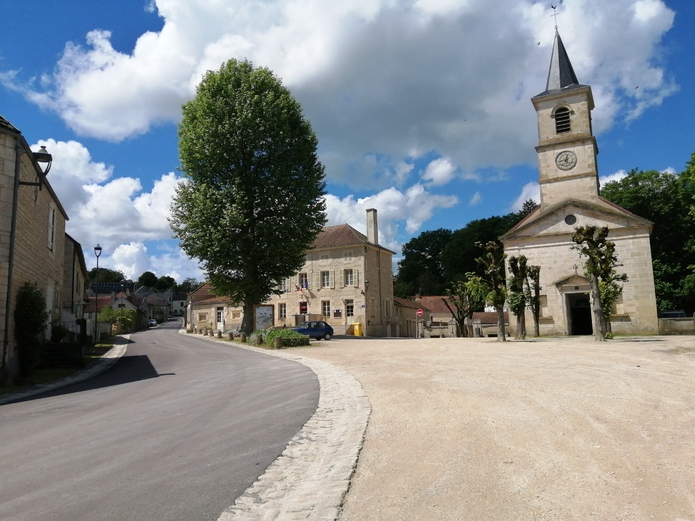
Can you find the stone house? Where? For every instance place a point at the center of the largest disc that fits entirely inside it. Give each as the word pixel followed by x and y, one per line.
pixel 32 234
pixel 74 284
pixel 409 324
pixel 347 279
pixel 569 189
pixel 438 321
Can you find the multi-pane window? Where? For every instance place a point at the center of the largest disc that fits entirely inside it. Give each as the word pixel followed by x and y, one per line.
pixel 349 308
pixel 282 310
pixel 562 120
pixel 325 279
pixel 349 277
pixel 326 308
pixel 51 227
pixel 347 256
pixel 303 281
pixel 283 285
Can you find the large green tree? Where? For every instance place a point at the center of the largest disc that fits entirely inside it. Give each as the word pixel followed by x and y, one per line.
pixel 421 270
pixel 252 201
pixel 665 199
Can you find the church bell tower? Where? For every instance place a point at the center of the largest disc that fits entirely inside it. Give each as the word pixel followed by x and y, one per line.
pixel 566 146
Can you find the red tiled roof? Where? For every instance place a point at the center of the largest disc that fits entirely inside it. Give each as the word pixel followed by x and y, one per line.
pixel 341 235
pixel 202 292
pixel 104 301
pixel 489 317
pixel 435 303
pixel 405 303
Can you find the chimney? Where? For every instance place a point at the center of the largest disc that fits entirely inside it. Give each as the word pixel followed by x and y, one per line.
pixel 372 227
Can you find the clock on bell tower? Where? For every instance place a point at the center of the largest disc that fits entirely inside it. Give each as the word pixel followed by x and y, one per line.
pixel 566 148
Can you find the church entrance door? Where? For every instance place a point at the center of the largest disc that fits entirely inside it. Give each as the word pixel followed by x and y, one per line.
pixel 579 311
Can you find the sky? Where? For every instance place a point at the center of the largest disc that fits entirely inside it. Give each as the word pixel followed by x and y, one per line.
pixel 421 107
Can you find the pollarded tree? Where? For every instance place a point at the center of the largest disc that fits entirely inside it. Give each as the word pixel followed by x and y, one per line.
pixel 465 299
pixel 252 201
pixel 600 264
pixel 532 289
pixel 492 282
pixel 517 295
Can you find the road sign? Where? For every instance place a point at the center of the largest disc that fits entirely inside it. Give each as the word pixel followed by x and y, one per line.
pixel 419 312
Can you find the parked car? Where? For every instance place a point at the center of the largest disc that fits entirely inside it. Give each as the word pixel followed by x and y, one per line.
pixel 317 329
pixel 151 322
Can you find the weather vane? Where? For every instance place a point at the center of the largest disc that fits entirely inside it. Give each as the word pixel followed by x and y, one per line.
pixel 555 15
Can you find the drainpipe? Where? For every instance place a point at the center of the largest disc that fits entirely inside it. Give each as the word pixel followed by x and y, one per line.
pixel 10 265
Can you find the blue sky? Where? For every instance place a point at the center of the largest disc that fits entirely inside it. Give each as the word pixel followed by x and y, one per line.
pixel 421 107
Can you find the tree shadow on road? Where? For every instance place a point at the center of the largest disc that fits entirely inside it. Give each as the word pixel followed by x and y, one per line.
pixel 128 369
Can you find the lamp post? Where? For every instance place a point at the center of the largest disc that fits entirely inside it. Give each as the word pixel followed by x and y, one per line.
pixel 97 252
pixel 120 310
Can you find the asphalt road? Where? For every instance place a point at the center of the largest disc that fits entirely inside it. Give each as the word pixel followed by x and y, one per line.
pixel 176 430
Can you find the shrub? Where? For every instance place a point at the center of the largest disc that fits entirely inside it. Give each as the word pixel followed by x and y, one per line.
pixel 289 337
pixel 30 319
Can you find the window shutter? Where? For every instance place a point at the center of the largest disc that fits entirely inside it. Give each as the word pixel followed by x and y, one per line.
pixel 356 277
pixel 332 279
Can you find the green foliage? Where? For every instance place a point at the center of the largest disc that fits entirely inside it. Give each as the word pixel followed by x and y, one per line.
pixel 253 201
pixel 30 320
pixel 421 270
pixel 188 285
pixel 466 299
pixel 516 297
pixel 290 338
pixel 164 283
pixel 666 200
pixel 492 283
pixel 147 279
pixel 600 264
pixel 105 275
pixel 532 289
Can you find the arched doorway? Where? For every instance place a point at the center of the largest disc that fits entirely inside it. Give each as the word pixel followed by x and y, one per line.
pixel 579 314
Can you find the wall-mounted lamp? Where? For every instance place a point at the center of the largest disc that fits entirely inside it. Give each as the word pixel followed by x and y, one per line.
pixel 366 287
pixel 43 158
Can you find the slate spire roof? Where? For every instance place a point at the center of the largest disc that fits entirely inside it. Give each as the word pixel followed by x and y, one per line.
pixel 561 75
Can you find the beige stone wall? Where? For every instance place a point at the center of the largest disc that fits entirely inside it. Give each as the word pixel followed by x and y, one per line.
pixel 558 260
pixel 38 258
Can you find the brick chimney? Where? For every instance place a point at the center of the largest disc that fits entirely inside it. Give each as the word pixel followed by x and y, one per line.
pixel 372 227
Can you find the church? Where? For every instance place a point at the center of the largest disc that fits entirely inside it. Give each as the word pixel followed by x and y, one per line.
pixel 569 193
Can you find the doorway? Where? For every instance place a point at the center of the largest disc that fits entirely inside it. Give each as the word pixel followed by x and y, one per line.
pixel 579 314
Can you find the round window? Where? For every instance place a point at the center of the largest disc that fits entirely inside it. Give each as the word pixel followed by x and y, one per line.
pixel 570 219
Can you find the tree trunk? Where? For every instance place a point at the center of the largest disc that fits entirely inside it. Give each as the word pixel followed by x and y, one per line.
pixel 599 325
pixel 247 320
pixel 501 333
pixel 521 326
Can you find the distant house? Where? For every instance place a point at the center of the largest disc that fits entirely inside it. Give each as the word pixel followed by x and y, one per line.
pixel 74 283
pixel 439 322
pixel 347 279
pixel 409 323
pixel 32 235
pixel 177 304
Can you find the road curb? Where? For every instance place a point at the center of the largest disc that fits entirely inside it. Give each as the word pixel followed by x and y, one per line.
pixel 105 362
pixel 309 480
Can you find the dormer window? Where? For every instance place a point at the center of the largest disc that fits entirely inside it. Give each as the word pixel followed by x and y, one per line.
pixel 562 120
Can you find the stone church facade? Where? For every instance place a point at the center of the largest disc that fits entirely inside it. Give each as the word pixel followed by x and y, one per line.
pixel 569 189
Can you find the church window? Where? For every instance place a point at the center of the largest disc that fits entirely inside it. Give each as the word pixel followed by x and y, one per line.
pixel 562 120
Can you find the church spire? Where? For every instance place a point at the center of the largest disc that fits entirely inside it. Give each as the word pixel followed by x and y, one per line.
pixel 561 74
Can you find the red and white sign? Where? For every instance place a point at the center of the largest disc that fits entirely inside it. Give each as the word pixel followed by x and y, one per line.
pixel 419 312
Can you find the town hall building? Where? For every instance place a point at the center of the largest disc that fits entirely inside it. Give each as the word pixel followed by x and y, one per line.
pixel 569 192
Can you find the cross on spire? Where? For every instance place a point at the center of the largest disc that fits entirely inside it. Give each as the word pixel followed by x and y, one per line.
pixel 555 14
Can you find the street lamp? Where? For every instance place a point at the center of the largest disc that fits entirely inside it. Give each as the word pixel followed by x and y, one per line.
pixel 120 310
pixel 97 252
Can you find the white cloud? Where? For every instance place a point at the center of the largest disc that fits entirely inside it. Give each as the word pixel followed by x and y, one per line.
pixel 440 171
pixel 617 176
pixel 475 199
pixel 133 259
pixel 530 190
pixel 377 78
pixel 412 207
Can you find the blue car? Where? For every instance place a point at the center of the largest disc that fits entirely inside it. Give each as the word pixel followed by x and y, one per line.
pixel 315 329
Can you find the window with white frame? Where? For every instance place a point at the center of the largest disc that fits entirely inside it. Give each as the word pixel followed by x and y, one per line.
pixel 283 285
pixel 303 281
pixel 349 308
pixel 326 308
pixel 282 310
pixel 325 279
pixel 51 227
pixel 347 256
pixel 349 277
